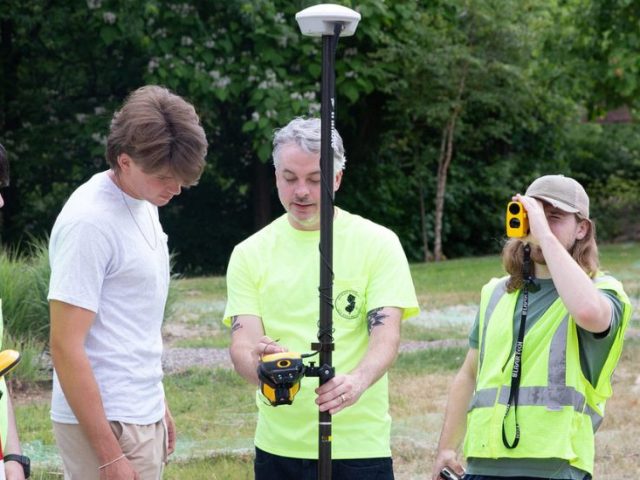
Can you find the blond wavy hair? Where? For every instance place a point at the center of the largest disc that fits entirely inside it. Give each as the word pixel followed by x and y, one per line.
pixel 584 252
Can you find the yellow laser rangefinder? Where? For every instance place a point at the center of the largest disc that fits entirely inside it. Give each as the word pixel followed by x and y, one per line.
pixel 517 221
pixel 280 375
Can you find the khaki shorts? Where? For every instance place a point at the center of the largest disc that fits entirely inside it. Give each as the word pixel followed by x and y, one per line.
pixel 144 445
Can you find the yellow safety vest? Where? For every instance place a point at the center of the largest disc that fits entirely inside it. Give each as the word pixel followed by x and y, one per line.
pixel 559 410
pixel 4 394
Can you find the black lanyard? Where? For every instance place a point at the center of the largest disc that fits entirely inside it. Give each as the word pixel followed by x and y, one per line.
pixel 516 373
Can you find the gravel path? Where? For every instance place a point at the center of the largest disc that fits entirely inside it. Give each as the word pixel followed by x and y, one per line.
pixel 179 359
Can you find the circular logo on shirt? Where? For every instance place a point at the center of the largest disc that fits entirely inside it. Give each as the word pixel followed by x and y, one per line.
pixel 348 304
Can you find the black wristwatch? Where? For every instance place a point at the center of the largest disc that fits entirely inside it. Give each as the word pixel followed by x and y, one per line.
pixel 22 460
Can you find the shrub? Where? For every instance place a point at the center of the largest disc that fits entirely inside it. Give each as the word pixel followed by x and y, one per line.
pixel 24 280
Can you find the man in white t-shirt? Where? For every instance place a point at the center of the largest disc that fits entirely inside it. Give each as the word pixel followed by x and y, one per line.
pixel 109 284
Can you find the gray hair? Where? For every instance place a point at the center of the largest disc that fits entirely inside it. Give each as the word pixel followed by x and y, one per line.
pixel 305 133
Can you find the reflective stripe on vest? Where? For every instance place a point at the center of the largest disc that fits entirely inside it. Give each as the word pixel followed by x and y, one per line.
pixel 498 292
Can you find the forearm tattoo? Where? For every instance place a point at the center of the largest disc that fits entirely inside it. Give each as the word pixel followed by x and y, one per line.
pixel 375 318
pixel 235 324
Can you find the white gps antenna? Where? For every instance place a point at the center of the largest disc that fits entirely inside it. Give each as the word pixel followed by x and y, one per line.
pixel 321 19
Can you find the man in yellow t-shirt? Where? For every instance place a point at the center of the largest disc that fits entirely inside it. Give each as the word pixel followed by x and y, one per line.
pixel 16 466
pixel 272 286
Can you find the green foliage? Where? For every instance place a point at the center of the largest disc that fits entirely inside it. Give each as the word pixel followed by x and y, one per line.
pixel 24 283
pixel 247 77
pixel 32 368
pixel 597 44
pixel 478 64
pixel 531 69
pixel 606 159
pixel 63 68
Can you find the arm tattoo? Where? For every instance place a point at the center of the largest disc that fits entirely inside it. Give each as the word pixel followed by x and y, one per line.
pixel 235 324
pixel 374 318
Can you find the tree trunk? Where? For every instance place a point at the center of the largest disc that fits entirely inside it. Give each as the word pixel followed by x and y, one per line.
pixel 444 162
pixel 427 256
pixel 441 186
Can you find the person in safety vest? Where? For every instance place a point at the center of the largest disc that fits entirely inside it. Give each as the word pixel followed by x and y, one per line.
pixel 16 465
pixel 532 390
pixel 272 307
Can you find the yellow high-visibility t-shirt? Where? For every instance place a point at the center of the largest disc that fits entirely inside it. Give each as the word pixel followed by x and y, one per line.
pixel 3 389
pixel 274 274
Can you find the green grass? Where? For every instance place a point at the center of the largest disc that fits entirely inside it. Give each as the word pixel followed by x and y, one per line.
pixel 34 423
pixel 623 262
pixel 459 281
pixel 215 409
pixel 219 467
pixel 207 286
pixel 215 340
pixel 30 369
pixel 447 359
pixel 411 331
pixel 455 281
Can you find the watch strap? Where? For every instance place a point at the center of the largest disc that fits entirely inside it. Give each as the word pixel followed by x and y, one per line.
pixel 22 460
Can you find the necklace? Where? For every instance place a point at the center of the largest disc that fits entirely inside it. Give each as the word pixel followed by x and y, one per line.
pixel 153 226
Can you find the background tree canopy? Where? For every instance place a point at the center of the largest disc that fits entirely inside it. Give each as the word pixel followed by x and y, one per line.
pixel 447 108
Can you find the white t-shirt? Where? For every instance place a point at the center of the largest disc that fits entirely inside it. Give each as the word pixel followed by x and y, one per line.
pixel 102 260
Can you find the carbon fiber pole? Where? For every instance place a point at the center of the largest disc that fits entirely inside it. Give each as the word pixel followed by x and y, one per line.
pixel 325 332
pixel 330 22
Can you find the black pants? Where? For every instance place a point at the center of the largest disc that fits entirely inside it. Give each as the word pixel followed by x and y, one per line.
pixel 274 467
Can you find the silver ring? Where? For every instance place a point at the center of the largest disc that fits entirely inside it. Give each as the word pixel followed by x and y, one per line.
pixel 342 398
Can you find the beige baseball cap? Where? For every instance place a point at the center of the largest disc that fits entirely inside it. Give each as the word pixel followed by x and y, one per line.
pixel 562 192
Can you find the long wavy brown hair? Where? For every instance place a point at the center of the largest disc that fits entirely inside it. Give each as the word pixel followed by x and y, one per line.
pixel 584 252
